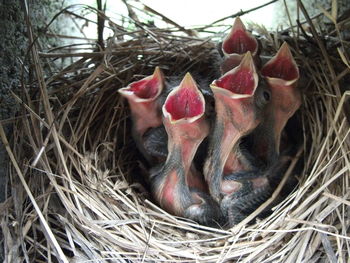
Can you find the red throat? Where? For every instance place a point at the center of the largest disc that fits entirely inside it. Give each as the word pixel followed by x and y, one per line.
pixel 242 82
pixel 184 104
pixel 185 101
pixel 239 40
pixel 281 66
pixel 145 88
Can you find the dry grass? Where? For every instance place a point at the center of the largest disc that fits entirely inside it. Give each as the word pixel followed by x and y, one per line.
pixel 72 159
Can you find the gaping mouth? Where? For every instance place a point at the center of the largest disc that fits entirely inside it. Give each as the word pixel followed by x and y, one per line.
pixel 185 101
pixel 239 40
pixel 241 80
pixel 147 88
pixel 282 65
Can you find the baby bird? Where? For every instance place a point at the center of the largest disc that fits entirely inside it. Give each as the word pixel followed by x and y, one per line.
pixel 176 184
pixel 143 98
pixel 282 74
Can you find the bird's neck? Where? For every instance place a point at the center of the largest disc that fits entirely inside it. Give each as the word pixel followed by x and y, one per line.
pixel 229 125
pixel 185 138
pixel 145 115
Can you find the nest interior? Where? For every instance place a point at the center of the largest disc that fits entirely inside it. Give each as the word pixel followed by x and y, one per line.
pixel 74 196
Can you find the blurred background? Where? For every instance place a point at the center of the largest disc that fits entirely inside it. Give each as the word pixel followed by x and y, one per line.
pixel 191 14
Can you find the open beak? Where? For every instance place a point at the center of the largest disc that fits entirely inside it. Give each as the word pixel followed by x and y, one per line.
pixel 282 68
pixel 281 74
pixel 183 118
pixel 185 124
pixel 178 187
pixel 142 98
pixel 238 42
pixel 235 117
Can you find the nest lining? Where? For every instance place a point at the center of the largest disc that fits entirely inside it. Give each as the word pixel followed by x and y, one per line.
pixel 72 146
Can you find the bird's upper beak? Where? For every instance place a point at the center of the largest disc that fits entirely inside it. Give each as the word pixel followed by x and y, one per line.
pixel 282 69
pixel 239 40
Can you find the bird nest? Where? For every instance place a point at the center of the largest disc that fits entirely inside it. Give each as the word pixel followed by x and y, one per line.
pixel 76 178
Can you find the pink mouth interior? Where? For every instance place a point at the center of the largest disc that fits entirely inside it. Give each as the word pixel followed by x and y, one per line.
pixel 145 88
pixel 239 42
pixel 281 68
pixel 241 82
pixel 185 103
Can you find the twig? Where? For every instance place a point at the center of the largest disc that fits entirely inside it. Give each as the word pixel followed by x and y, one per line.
pixel 328 248
pixel 337 198
pixel 131 12
pixel 320 44
pixel 306 36
pixel 169 21
pixel 52 239
pixel 241 13
pixel 100 25
pixel 102 53
pixel 305 21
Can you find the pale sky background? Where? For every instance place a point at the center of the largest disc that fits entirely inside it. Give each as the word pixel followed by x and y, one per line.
pixel 196 12
pixel 187 13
